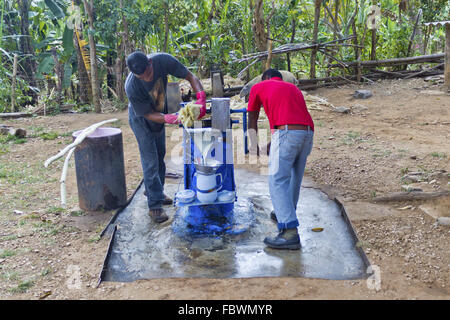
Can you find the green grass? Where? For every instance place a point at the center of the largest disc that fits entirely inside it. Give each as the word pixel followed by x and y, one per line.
pixel 381 153
pixel 37 129
pixel 56 210
pixel 10 276
pixel 22 287
pixel 9 238
pixel 94 239
pixel 6 140
pixel 438 155
pixel 7 253
pixel 76 213
pixel 351 138
pixel 22 173
pixel 46 272
pixel 83 108
pixel 4 149
pixel 49 135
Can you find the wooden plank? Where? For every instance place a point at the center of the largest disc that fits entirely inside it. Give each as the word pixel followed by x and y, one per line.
pixel 13 115
pixel 413 195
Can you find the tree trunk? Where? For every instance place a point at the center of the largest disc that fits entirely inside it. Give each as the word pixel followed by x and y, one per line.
pixel 336 16
pixel 292 41
pixel 447 56
pixel 28 63
pixel 110 72
pixel 373 52
pixel 357 49
pixel 89 7
pixel 166 26
pixel 59 76
pixel 411 40
pixel 259 28
pixel 127 47
pixel 13 85
pixel 119 70
pixel 312 73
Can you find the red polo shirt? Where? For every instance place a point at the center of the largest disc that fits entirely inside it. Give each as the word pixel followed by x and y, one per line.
pixel 283 103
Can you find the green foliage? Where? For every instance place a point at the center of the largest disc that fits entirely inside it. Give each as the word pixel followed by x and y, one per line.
pixel 23 287
pixel 7 253
pixel 5 88
pixel 55 210
pixel 6 140
pixel 49 135
pixel 198 34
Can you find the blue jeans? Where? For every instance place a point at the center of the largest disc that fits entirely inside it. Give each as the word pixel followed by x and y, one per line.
pixel 151 138
pixel 287 160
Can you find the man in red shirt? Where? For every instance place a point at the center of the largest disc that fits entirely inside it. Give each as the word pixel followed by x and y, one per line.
pixel 292 139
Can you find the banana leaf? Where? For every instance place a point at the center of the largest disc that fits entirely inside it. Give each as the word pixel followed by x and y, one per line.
pixel 67 75
pixel 46 66
pixel 55 9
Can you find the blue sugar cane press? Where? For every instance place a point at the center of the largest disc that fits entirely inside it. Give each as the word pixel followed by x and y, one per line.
pixel 207 201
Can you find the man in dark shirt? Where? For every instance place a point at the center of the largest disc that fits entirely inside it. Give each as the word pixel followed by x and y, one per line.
pixel 146 88
pixel 292 139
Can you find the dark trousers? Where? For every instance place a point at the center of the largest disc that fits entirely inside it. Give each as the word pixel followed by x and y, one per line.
pixel 151 138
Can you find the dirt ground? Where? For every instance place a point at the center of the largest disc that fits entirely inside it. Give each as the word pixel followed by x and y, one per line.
pixel 395 140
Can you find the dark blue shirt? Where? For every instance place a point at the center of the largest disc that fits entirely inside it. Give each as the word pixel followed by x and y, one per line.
pixel 146 97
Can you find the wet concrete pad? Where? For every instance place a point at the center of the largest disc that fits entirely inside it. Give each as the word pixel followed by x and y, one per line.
pixel 142 249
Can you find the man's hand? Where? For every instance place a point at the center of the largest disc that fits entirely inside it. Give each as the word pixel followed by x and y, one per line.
pixel 171 118
pixel 201 100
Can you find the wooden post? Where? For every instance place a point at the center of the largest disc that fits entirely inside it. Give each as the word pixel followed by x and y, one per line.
pixel 447 56
pixel 13 85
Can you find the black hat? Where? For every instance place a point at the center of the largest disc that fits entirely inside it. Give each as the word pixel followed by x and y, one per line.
pixel 137 62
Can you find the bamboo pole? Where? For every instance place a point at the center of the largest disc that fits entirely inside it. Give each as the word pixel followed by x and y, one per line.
pixel 13 85
pixel 447 56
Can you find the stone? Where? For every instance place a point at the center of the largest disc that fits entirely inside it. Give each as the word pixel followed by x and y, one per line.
pixel 342 109
pixel 362 94
pixel 443 221
pixel 411 178
pixel 409 188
